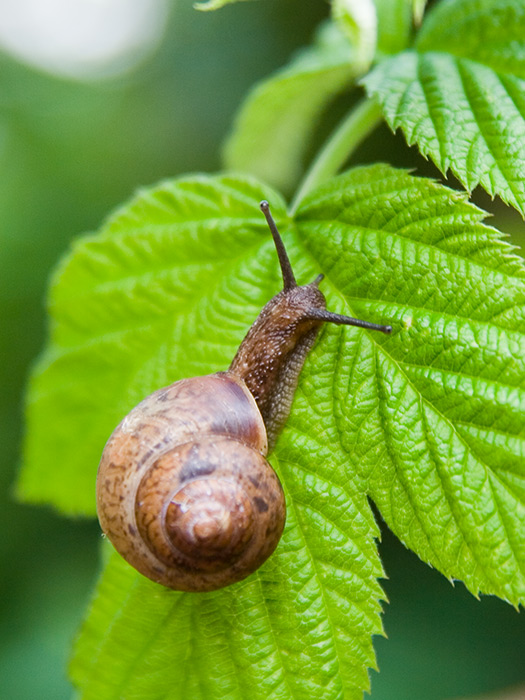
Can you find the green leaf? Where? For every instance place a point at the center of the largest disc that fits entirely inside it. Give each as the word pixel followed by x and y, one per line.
pixel 274 126
pixel 459 94
pixel 126 306
pixel 428 422
pixel 418 10
pixel 433 418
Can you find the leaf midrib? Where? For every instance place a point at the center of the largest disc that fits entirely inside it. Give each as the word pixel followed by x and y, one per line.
pixel 320 584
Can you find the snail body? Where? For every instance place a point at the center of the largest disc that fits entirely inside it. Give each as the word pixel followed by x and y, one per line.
pixel 184 490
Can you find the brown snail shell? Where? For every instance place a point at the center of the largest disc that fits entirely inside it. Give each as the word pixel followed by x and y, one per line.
pixel 202 508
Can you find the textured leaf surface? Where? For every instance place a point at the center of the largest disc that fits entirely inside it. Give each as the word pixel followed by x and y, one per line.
pixel 428 422
pixel 460 94
pixel 274 127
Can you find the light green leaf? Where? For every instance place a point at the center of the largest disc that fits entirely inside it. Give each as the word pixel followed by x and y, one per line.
pixel 357 19
pixel 428 422
pixel 274 126
pixel 418 10
pixel 206 5
pixel 459 95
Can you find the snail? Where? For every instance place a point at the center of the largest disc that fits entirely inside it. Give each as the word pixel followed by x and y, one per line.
pixel 184 490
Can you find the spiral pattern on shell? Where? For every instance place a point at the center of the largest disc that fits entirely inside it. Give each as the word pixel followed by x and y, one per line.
pixel 184 491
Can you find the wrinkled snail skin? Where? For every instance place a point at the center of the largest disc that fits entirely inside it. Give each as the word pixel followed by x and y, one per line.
pixel 184 490
pixel 272 354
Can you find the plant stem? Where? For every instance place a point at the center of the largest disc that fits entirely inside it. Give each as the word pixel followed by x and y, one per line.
pixel 354 128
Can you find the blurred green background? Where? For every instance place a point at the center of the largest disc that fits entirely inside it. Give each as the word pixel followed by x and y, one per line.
pixel 70 151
